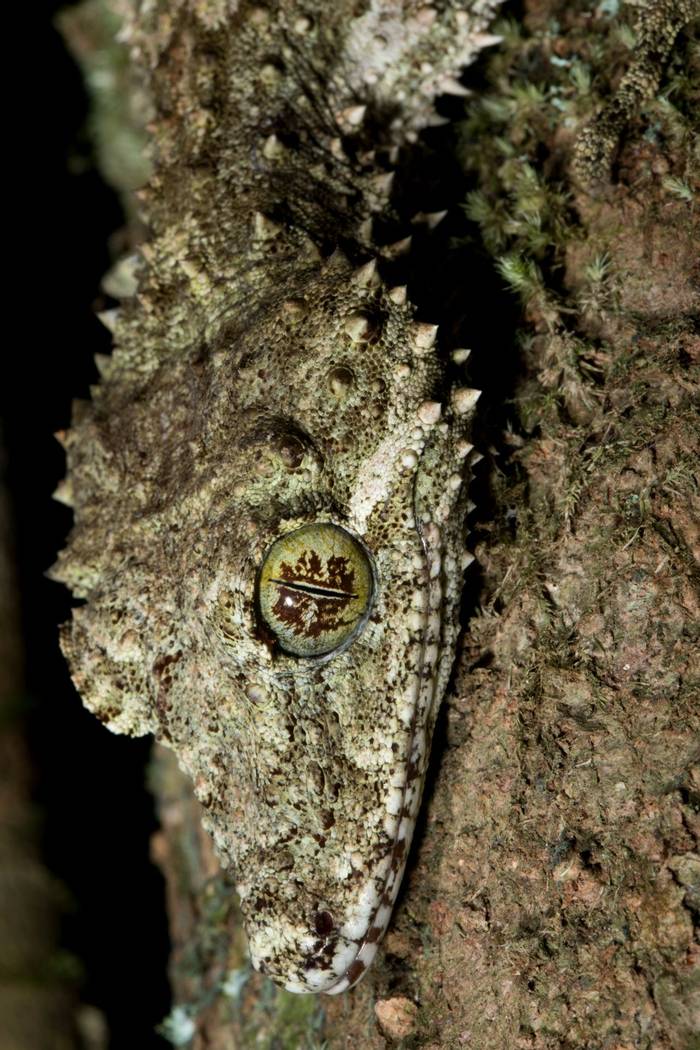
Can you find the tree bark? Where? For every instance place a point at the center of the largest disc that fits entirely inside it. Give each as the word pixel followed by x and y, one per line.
pixel 554 888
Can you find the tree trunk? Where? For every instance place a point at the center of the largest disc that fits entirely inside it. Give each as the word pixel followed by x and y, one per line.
pixel 553 887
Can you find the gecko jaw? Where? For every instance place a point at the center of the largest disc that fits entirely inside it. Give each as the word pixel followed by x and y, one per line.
pixel 333 961
pixel 350 963
pixel 357 939
pixel 411 798
pixel 369 944
pixel 355 954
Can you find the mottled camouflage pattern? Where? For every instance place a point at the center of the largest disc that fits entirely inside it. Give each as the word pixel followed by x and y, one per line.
pixel 266 376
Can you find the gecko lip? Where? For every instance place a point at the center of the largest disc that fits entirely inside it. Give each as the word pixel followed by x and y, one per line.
pixel 347 952
pixel 307 957
pixel 329 949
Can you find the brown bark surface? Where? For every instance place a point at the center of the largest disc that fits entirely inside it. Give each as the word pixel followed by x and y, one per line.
pixel 554 888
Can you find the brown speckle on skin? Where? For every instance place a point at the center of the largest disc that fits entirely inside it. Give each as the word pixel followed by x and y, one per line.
pixel 323 923
pixel 355 971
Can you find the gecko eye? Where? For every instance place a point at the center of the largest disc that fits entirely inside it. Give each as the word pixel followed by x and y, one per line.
pixel 315 589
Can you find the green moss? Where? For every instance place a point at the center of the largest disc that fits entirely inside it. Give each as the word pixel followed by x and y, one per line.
pixel 290 1022
pixel 543 86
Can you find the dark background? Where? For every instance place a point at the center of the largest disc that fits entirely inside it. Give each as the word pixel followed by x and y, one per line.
pixel 95 814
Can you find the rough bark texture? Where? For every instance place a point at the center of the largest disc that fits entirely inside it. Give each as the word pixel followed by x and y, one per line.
pixel 553 894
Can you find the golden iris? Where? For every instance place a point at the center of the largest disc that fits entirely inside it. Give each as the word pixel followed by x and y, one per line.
pixel 315 589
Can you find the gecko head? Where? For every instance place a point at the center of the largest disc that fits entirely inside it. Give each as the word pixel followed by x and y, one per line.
pixel 268 540
pixel 340 668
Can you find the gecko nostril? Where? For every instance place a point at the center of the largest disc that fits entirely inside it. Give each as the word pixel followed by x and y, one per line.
pixel 323 923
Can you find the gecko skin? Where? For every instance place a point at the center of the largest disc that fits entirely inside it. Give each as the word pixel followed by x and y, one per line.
pixel 269 484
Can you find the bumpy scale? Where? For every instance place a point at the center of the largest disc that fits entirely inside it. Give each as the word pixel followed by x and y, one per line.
pixel 269 484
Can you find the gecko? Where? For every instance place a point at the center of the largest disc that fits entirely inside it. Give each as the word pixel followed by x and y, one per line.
pixel 269 483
